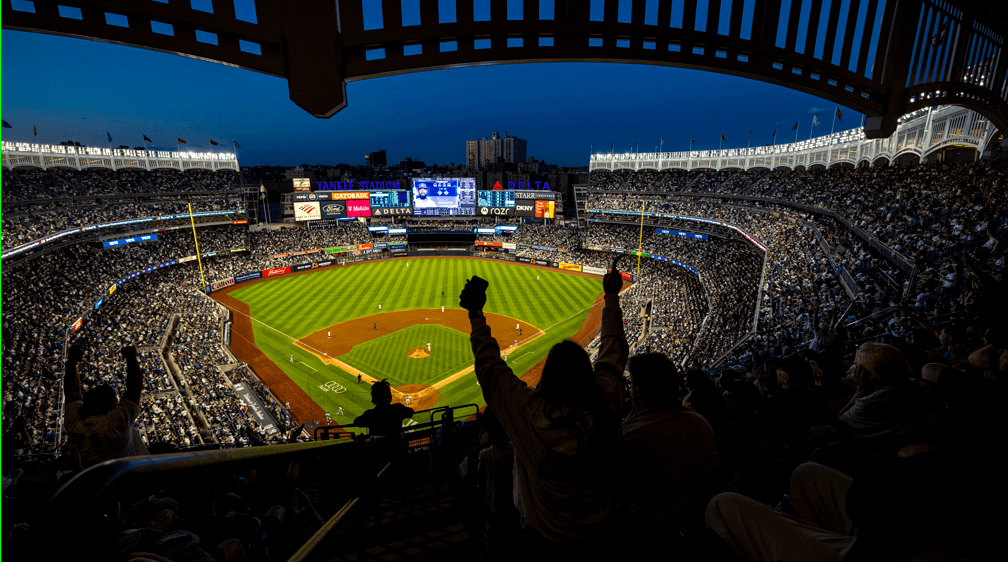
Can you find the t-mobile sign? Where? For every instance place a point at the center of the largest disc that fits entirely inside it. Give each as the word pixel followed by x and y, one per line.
pixel 359 208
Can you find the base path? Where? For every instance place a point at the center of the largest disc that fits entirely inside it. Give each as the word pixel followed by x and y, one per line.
pixel 359 330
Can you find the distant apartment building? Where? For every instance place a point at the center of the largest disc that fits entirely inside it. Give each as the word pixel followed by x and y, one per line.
pixel 376 159
pixel 485 151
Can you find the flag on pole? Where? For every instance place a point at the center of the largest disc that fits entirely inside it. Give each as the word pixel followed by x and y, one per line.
pixel 146 138
pixel 236 144
pixel 722 138
pixel 109 135
pixel 774 135
pixel 815 120
pixel 6 125
pixel 750 134
pixel 34 129
pixel 691 141
pixel 795 128
pixel 839 115
pixel 213 143
pixel 180 141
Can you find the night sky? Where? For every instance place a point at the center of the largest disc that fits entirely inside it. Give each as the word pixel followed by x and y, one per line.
pixel 73 87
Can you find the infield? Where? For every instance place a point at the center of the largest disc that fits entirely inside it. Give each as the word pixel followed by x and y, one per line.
pixel 389 356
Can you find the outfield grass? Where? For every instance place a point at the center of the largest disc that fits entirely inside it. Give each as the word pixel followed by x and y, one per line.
pixel 386 356
pixel 290 308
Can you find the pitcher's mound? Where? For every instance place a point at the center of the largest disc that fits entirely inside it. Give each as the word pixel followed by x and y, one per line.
pixel 422 396
pixel 418 353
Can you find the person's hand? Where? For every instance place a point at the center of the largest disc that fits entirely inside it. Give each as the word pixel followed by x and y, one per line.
pixel 129 352
pixel 75 353
pixel 612 282
pixel 473 297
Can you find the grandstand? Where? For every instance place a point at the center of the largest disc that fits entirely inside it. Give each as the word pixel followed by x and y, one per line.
pixel 786 352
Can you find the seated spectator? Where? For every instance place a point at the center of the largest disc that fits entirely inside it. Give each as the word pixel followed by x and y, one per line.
pixel 565 432
pixel 669 453
pixel 99 424
pixel 886 398
pixel 791 411
pixel 385 418
pixel 830 393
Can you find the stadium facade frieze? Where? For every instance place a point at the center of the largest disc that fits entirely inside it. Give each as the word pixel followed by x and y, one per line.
pixel 919 134
pixel 16 154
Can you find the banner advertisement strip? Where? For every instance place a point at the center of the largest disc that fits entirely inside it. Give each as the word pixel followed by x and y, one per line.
pixel 509 246
pixel 570 266
pixel 248 276
pixel 275 271
pixel 217 285
pixel 593 270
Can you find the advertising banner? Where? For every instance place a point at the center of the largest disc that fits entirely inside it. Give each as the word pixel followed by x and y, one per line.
pixel 541 262
pixel 307 211
pixel 301 266
pixel 570 266
pixel 626 276
pixel 123 241
pixel 305 252
pixel 525 260
pixel 495 211
pixel 99 303
pixel 593 270
pixel 485 243
pixel 543 248
pixel 275 271
pixel 187 259
pixel 78 324
pixel 248 276
pixel 509 246
pixel 397 231
pixel 545 209
pixel 113 288
pixel 379 246
pixel 525 208
pixel 362 247
pixel 333 209
pixel 218 285
pixel 358 208
pixel 520 247
pixel 348 195
pixel 243 221
pixel 398 246
pixel 554 264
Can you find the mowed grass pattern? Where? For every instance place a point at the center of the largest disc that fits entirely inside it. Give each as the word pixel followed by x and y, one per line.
pixel 292 307
pixel 386 356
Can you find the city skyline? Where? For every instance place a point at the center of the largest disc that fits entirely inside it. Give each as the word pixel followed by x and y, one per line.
pixel 425 116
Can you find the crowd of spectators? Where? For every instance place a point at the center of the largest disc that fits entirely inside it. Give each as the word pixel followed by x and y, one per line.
pixel 32 184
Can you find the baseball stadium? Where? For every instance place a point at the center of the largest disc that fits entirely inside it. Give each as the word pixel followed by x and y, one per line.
pixel 791 351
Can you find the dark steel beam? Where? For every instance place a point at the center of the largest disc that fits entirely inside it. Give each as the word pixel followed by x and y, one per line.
pixel 319 45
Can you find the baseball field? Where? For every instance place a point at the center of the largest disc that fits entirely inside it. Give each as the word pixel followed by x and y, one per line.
pixel 315 333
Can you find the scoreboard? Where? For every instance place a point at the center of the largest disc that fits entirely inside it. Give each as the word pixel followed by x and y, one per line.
pixel 390 203
pixel 499 198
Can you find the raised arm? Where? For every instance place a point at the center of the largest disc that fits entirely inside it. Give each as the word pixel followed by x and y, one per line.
pixel 613 347
pixel 71 383
pixel 502 390
pixel 134 379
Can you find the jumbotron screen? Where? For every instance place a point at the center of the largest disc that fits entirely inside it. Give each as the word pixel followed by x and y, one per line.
pixel 444 196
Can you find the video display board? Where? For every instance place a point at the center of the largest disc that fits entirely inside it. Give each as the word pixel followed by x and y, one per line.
pixel 499 198
pixel 444 196
pixel 390 203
